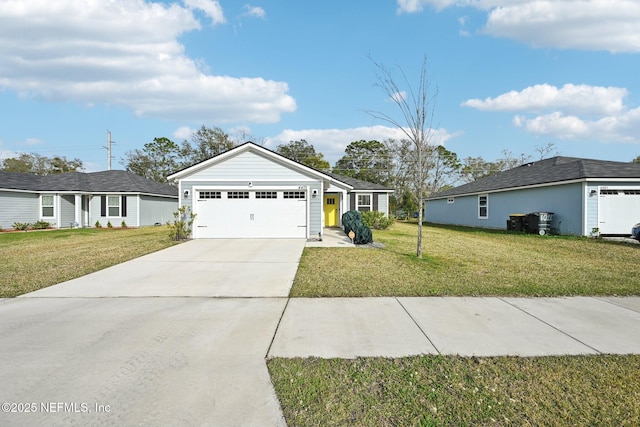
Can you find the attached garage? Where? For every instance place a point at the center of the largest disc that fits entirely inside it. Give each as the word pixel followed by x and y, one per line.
pixel 618 210
pixel 260 213
pixel 252 192
pixel 585 195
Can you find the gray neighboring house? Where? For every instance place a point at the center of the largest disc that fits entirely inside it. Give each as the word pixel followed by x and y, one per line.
pixel 583 194
pixel 80 199
pixel 253 192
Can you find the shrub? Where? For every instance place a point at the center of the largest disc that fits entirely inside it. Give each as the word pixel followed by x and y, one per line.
pixel 22 226
pixel 376 220
pixel 109 224
pixel 41 225
pixel 183 219
pixel 98 225
pixel 123 224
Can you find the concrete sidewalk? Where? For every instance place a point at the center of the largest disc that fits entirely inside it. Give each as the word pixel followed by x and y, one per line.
pixel 396 327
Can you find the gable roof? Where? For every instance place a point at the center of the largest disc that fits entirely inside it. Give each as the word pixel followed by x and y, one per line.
pixel 547 171
pixel 113 181
pixel 248 146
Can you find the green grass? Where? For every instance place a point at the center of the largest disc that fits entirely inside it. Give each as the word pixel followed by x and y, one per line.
pixel 33 260
pixel 436 390
pixel 470 262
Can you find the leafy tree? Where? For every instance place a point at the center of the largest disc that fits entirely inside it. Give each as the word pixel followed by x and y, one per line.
pixel 205 143
pixel 41 165
pixel 445 169
pixel 303 152
pixel 416 112
pixel 155 161
pixel 366 160
pixel 636 160
pixel 62 165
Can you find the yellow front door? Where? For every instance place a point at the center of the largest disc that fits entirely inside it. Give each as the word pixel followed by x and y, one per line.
pixel 331 210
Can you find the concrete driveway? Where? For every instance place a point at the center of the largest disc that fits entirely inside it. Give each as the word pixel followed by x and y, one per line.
pixel 142 343
pixel 197 268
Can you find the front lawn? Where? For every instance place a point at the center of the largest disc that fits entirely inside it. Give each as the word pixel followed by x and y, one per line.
pixel 36 259
pixel 437 390
pixel 470 262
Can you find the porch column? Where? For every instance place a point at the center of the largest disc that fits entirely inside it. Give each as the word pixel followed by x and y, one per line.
pixel 78 210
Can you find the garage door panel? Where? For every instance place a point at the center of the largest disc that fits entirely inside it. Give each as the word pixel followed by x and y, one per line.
pixel 265 214
pixel 618 211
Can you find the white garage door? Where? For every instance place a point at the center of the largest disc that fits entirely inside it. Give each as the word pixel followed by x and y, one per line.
pixel 618 210
pixel 250 214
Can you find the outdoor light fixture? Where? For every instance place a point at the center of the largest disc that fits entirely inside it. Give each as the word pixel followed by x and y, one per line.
pixel 593 193
pixel 186 193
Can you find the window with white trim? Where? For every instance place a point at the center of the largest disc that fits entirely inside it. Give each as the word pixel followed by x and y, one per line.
pixel 266 194
pixel 47 203
pixel 364 202
pixel 202 195
pixel 237 194
pixel 113 206
pixel 483 206
pixel 301 195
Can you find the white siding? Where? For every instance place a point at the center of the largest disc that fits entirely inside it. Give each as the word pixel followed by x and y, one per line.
pixel 249 166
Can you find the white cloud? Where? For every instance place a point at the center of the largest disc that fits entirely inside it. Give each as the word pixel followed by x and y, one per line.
pixel 125 53
pixel 566 24
pixel 579 99
pixel 254 11
pixel 183 133
pixel 586 25
pixel 571 112
pixel 621 128
pixel 413 6
pixel 399 96
pixel 332 142
pixel 211 8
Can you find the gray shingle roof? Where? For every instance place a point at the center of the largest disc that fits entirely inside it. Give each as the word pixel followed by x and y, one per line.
pixel 358 184
pixel 113 181
pixel 556 169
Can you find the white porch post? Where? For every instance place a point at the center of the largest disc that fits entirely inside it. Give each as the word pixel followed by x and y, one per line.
pixel 78 209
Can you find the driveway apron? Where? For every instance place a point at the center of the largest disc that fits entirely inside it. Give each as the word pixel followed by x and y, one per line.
pixel 105 350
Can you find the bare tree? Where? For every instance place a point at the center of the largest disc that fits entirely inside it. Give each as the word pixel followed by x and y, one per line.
pixel 416 105
pixel 546 151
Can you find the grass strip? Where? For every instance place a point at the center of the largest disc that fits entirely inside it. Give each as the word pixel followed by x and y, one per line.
pixel 470 262
pixel 33 260
pixel 439 390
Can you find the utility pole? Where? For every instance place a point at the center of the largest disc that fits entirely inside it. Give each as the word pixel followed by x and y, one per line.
pixel 108 147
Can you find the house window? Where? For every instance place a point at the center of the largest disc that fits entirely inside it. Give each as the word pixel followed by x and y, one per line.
pixel 301 195
pixel 47 206
pixel 331 200
pixel 364 202
pixel 237 195
pixel 202 195
pixel 266 194
pixel 483 206
pixel 113 205
pixel 451 200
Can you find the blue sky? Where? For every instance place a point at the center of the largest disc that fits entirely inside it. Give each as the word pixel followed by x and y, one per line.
pixel 509 74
